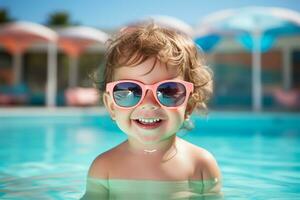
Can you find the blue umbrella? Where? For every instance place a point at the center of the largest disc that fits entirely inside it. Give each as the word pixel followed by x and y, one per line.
pixel 256 28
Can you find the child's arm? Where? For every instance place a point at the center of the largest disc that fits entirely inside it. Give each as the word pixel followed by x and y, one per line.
pixel 97 180
pixel 211 174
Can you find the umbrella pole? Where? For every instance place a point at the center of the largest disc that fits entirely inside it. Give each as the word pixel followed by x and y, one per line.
pixel 17 67
pixel 51 76
pixel 73 71
pixel 256 73
pixel 286 68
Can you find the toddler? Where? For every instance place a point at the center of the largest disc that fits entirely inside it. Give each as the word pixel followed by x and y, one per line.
pixel 154 79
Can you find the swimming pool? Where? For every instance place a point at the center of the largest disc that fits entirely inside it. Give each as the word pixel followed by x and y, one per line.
pixel 45 154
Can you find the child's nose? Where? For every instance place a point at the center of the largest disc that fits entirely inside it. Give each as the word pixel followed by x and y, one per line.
pixel 149 100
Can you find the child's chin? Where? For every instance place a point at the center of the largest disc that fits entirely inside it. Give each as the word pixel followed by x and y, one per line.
pixel 149 138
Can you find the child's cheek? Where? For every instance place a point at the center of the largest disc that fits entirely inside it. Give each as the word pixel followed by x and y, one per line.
pixel 176 118
pixel 123 119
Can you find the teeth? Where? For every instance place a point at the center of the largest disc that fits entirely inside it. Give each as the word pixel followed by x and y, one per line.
pixel 149 120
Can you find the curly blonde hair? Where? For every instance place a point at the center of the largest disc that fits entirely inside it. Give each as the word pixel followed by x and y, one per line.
pixel 134 45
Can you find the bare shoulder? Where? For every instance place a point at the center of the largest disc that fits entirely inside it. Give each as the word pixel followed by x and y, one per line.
pixel 102 163
pixel 206 165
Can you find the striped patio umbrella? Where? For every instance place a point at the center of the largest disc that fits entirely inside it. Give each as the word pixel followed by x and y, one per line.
pixel 256 28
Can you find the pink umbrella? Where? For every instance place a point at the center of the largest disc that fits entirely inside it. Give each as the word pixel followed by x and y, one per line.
pixel 17 36
pixel 74 41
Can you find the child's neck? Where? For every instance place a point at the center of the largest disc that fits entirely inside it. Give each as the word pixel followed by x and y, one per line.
pixel 162 149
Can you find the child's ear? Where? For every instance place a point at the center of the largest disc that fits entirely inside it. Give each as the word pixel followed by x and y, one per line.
pixel 189 109
pixel 109 104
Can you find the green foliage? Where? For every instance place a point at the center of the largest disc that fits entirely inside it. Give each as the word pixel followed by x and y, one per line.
pixel 60 18
pixel 4 16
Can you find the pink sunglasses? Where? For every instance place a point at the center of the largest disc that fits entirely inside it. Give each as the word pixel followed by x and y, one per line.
pixel 168 93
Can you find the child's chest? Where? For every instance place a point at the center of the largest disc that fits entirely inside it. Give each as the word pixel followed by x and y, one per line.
pixel 173 169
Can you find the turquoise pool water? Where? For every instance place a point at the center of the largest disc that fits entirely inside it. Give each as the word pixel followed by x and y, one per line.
pixel 45 155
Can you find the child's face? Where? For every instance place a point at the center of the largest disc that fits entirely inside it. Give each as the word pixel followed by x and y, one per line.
pixel 171 119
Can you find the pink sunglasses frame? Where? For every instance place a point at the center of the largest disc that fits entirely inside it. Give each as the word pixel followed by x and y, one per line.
pixel 188 86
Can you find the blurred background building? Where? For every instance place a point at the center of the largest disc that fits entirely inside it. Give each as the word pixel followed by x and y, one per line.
pixel 36 70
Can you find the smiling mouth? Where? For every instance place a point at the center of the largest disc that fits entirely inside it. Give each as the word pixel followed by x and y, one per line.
pixel 148 123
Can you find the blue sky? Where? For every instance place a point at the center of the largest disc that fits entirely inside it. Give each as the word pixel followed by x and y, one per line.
pixel 114 13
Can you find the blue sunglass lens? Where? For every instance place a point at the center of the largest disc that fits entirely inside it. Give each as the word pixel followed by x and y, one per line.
pixel 127 94
pixel 171 94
